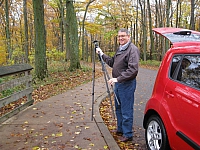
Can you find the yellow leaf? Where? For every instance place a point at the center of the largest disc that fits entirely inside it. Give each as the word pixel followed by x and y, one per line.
pixel 36 148
pixel 91 144
pixel 59 134
pixel 73 112
pixel 77 132
pixel 76 146
pixel 105 147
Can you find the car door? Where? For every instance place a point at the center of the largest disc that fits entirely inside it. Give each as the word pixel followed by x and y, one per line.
pixel 183 99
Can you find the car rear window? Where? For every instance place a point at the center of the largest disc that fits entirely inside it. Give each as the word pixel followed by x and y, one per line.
pixel 181 37
pixel 186 69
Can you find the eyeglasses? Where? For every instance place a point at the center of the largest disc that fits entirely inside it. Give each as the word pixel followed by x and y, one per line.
pixel 122 36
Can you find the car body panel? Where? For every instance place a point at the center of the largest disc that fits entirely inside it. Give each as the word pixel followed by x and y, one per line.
pixel 183 103
pixel 177 105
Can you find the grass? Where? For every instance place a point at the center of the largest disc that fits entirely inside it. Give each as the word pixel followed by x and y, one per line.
pixel 151 64
pixel 58 70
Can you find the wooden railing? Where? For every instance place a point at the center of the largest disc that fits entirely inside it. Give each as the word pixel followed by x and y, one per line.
pixel 15 78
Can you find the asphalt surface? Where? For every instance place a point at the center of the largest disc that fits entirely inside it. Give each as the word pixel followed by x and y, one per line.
pixel 64 122
pixel 144 88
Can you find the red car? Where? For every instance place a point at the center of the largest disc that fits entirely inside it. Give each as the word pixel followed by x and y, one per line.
pixel 172 114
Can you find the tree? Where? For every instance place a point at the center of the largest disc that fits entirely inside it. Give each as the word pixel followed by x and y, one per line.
pixel 144 35
pixel 72 29
pixel 40 39
pixel 83 29
pixel 168 20
pixel 192 22
pixel 26 31
pixel 61 8
pixel 8 38
pixel 152 51
pixel 177 13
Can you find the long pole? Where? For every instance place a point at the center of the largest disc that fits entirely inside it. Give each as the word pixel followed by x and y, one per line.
pixel 108 91
pixel 93 83
pixel 108 77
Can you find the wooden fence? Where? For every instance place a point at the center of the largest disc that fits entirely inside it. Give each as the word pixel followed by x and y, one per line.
pixel 15 81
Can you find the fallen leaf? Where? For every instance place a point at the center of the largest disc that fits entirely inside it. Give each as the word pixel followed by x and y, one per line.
pixel 77 133
pixel 73 112
pixel 105 147
pixel 59 134
pixel 36 148
pixel 91 144
pixel 76 146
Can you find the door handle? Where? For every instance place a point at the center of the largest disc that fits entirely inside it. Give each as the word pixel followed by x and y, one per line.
pixel 169 93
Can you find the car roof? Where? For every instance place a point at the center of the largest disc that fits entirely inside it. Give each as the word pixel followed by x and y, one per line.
pixel 179 36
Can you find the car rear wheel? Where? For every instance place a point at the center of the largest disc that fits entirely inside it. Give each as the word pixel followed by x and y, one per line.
pixel 155 134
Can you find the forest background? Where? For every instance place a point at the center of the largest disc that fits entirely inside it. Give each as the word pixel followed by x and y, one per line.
pixel 40 32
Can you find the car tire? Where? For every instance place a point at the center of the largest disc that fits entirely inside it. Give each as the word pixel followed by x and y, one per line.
pixel 155 134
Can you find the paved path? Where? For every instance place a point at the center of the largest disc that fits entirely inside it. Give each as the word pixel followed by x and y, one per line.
pixel 145 83
pixel 63 122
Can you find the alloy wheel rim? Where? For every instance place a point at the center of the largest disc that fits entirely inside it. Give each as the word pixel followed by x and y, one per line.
pixel 154 136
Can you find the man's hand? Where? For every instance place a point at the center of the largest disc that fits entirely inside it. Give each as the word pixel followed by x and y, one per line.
pixel 112 81
pixel 99 51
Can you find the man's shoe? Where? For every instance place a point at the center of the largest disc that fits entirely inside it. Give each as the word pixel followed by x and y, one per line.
pixel 117 132
pixel 125 139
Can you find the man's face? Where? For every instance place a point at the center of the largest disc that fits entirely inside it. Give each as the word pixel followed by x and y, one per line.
pixel 123 38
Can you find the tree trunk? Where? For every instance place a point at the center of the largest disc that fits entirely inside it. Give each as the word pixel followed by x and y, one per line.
pixel 40 40
pixel 192 21
pixel 143 16
pixel 67 39
pixel 8 39
pixel 73 36
pixel 168 21
pixel 180 14
pixel 177 13
pixel 152 49
pixel 61 23
pixel 25 31
pixel 136 26
pixel 83 29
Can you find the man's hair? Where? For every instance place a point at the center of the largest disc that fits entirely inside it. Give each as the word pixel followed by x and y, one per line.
pixel 124 30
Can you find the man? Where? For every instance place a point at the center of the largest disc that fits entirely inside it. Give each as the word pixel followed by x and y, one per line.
pixel 124 72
